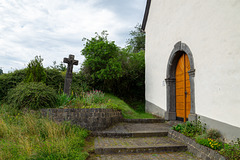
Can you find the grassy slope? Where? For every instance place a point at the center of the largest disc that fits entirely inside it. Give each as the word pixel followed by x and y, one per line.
pixel 127 111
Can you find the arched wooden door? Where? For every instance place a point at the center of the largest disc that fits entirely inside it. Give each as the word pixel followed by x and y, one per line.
pixel 183 96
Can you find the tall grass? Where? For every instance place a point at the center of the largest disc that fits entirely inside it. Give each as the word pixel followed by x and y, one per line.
pixel 28 136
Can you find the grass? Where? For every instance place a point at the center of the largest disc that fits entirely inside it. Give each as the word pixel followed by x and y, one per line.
pixel 27 136
pixel 127 111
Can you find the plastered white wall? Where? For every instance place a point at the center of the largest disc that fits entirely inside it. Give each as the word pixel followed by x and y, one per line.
pixel 211 29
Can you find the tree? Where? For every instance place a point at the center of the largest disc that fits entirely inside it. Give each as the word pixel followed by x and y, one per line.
pixel 35 71
pixel 1 71
pixel 102 64
pixel 137 40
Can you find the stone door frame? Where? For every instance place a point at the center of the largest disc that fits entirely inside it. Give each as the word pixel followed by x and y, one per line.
pixel 178 50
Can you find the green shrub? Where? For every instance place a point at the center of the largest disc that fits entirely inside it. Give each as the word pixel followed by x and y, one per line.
pixel 32 95
pixel 35 71
pixel 10 80
pixel 54 79
pixel 79 84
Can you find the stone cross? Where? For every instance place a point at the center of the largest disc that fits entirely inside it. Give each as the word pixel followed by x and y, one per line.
pixel 68 79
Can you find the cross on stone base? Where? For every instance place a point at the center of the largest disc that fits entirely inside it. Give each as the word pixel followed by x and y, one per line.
pixel 68 79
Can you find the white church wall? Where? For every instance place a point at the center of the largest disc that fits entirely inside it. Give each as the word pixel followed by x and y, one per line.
pixel 211 30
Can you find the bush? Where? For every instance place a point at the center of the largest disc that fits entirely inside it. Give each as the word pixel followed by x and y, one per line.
pixel 55 79
pixel 35 71
pixel 32 95
pixel 10 80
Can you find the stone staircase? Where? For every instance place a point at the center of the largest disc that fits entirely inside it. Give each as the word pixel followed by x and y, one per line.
pixel 138 139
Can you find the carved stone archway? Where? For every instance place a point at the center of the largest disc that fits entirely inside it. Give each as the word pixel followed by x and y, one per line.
pixel 179 49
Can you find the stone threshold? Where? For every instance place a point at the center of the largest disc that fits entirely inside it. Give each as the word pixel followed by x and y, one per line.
pixel 144 120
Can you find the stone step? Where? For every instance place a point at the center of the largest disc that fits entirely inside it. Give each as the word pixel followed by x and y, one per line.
pixel 131 134
pixel 135 130
pixel 144 120
pixel 137 145
pixel 146 156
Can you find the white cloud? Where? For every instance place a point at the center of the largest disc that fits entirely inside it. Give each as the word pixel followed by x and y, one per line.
pixel 54 29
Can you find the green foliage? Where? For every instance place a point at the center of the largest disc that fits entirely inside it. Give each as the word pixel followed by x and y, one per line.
pixel 102 64
pixel 63 100
pixel 35 71
pixel 190 129
pixel 79 84
pixel 110 69
pixel 10 80
pixel 32 95
pixel 27 136
pixel 132 83
pixel 101 57
pixel 213 134
pixel 54 79
pixel 137 40
pixel 211 143
pixel 1 71
pixel 231 150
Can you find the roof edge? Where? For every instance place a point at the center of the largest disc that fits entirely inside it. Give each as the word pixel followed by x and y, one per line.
pixel 144 22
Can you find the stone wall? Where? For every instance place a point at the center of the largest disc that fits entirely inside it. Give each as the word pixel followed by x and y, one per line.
pixel 92 119
pixel 199 150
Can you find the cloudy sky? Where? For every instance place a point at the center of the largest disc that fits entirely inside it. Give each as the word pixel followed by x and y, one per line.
pixel 55 28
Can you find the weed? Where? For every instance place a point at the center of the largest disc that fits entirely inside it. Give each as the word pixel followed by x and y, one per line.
pixel 190 129
pixel 231 150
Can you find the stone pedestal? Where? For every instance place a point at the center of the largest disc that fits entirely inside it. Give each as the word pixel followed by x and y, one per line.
pixel 170 116
pixel 192 117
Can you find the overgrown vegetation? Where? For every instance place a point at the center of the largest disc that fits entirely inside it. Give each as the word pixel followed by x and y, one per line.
pixel 27 136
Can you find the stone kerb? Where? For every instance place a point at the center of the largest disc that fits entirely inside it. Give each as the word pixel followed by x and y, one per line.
pixel 198 150
pixel 93 119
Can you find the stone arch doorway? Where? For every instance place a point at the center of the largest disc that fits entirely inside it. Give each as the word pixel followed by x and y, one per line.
pixel 179 51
